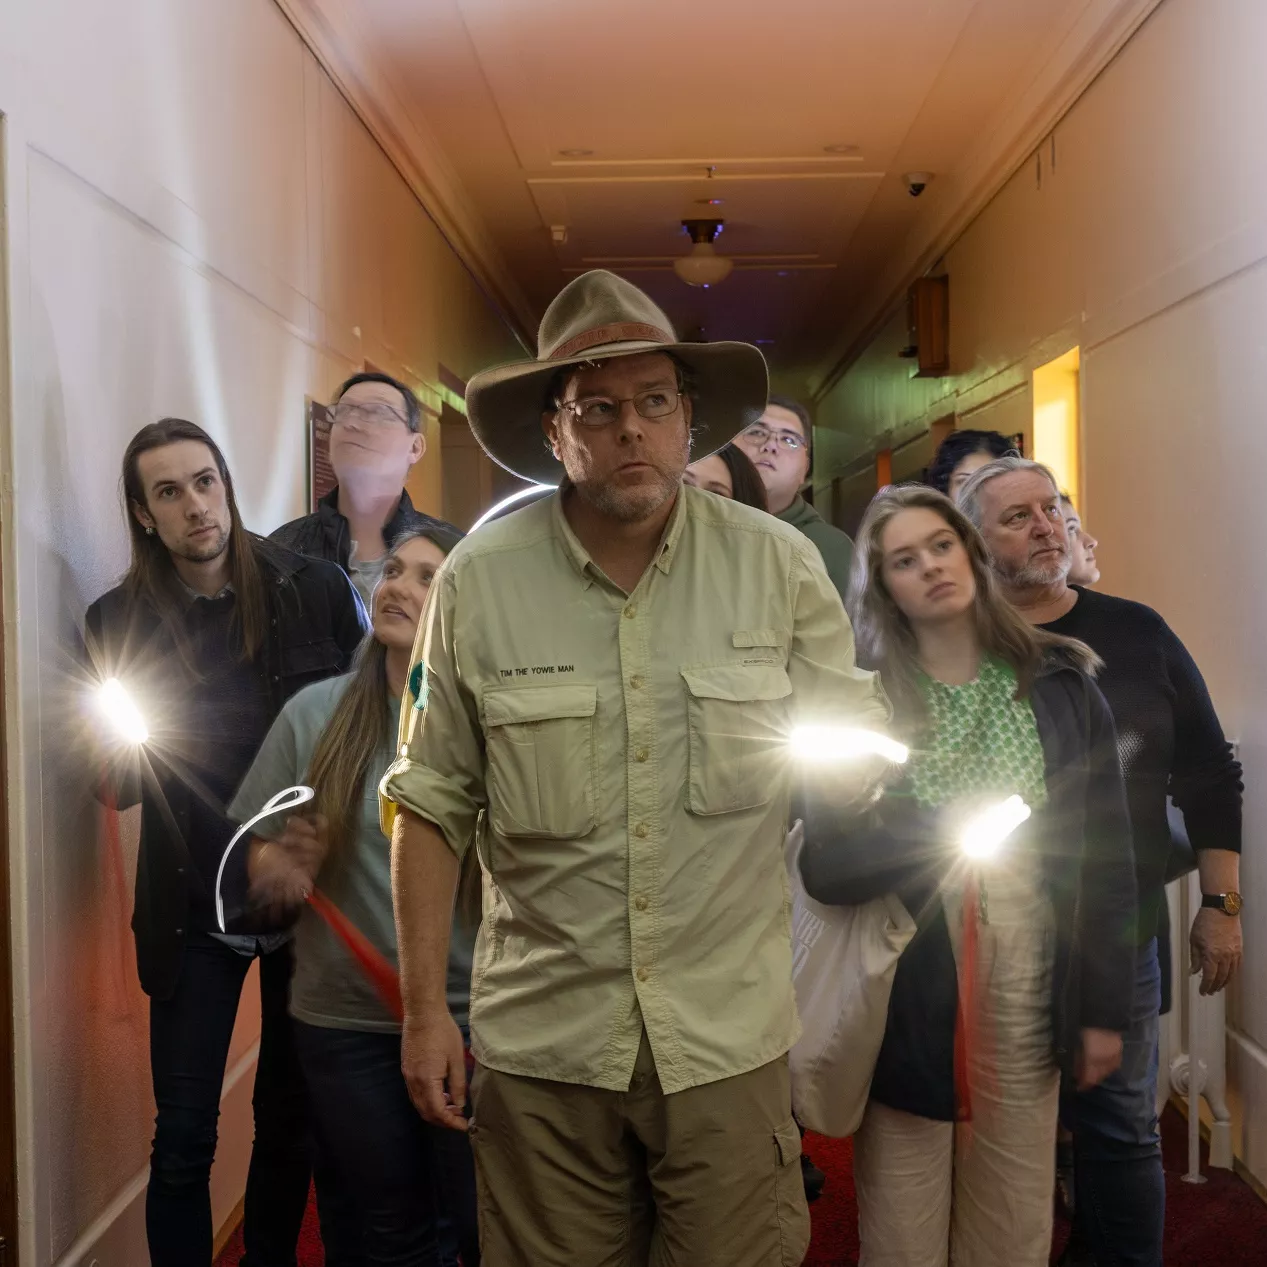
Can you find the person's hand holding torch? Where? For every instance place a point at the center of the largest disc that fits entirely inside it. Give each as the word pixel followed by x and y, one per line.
pixel 118 710
pixel 283 871
pixel 841 765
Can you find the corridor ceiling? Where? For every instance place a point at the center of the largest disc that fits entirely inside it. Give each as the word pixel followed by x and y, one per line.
pixel 792 120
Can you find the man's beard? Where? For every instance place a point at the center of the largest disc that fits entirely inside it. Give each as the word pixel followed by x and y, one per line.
pixel 630 504
pixel 206 552
pixel 1035 574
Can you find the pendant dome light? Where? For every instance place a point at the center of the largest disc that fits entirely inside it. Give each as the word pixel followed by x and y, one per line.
pixel 703 266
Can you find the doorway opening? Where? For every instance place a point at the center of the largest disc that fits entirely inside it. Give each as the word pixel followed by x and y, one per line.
pixel 1057 435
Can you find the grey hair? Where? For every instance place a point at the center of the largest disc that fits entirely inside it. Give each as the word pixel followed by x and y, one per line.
pixel 969 497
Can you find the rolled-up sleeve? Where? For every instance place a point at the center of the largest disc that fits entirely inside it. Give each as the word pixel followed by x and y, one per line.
pixel 438 773
pixel 827 685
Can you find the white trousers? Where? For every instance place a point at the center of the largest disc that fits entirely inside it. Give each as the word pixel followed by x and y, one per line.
pixel 977 1194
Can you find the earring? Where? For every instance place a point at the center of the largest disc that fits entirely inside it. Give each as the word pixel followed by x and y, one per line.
pixel 149 532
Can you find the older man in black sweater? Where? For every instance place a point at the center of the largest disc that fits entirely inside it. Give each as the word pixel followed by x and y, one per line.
pixel 1170 743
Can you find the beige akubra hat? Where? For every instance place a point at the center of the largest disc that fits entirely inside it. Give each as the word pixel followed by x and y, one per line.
pixel 595 318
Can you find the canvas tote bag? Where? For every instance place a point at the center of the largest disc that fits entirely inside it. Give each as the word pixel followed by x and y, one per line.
pixel 843 961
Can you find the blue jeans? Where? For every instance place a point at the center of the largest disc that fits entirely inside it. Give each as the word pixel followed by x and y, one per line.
pixel 189 1046
pixel 1120 1189
pixel 392 1190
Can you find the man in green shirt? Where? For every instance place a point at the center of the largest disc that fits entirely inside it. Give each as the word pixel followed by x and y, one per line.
pixel 603 689
pixel 781 446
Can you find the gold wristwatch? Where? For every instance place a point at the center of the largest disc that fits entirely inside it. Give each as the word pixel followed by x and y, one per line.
pixel 1228 903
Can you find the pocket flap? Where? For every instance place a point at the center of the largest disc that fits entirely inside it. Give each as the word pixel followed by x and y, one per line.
pixel 787 1140
pixel 310 657
pixel 743 638
pixel 539 703
pixel 739 682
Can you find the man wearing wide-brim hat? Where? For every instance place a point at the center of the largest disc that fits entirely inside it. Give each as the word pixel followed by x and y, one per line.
pixel 610 676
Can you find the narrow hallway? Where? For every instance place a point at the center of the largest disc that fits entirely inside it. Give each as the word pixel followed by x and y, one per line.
pixel 923 221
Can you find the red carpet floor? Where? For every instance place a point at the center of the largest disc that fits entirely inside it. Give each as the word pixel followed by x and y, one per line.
pixel 1220 1222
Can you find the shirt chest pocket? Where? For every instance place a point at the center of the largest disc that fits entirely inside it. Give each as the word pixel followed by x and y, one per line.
pixel 542 764
pixel 737 718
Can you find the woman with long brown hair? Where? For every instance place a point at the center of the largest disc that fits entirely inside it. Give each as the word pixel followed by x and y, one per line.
pixel 1022 959
pixel 729 473
pixel 392 1189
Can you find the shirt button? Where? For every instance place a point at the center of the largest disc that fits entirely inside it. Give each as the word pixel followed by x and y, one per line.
pixel 641 831
pixel 643 974
pixel 631 611
pixel 636 681
pixel 640 903
pixel 642 754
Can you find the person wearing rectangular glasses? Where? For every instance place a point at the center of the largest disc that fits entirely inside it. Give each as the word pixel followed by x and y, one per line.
pixel 781 446
pixel 375 438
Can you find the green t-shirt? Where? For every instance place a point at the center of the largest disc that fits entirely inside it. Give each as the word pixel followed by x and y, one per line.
pixel 329 989
pixel 980 742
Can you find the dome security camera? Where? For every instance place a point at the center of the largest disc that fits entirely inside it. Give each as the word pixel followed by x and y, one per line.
pixel 916 182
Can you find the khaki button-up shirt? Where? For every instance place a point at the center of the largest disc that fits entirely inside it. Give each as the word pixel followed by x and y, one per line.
pixel 629 753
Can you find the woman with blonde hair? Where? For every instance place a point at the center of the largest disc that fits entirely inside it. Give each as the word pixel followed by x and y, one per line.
pixel 1022 964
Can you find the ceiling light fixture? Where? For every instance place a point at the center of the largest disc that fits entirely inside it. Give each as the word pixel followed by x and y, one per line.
pixel 703 267
pixel 709 202
pixel 576 153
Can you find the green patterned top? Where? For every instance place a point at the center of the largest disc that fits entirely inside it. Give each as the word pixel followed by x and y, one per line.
pixel 981 741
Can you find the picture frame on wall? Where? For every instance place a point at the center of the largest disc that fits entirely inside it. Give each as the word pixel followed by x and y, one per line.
pixel 321 478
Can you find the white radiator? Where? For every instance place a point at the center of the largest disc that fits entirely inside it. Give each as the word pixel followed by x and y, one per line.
pixel 1194 1040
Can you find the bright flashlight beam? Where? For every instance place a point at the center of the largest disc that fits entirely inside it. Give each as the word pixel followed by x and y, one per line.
pixel 984 835
pixel 824 745
pixel 120 710
pixel 530 491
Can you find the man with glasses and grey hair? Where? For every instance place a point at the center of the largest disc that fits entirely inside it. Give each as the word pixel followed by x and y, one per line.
pixel 1170 743
pixel 375 438
pixel 781 446
pixel 603 689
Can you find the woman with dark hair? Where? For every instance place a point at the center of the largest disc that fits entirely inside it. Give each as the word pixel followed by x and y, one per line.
pixel 960 454
pixel 211 631
pixel 1022 958
pixel 729 473
pixel 393 1184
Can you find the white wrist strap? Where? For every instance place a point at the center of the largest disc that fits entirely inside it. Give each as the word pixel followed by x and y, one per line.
pixel 288 798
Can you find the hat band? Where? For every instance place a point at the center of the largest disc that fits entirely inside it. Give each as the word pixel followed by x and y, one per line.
pixel 617 332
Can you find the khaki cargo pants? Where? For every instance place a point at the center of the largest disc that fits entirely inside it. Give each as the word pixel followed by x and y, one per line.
pixel 573 1176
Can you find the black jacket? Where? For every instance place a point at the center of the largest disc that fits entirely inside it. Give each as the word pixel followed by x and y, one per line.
pixel 325 535
pixel 1171 741
pixel 315 628
pixel 1083 839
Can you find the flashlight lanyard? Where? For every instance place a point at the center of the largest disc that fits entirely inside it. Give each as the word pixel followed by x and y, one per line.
pixel 287 799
